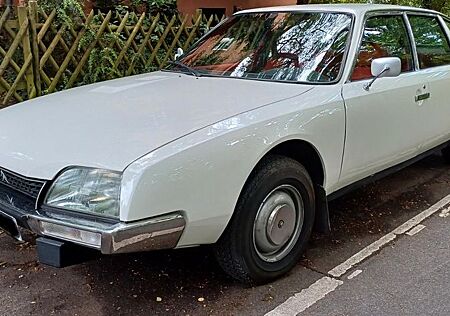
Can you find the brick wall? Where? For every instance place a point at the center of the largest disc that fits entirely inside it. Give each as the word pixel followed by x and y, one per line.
pixel 14 2
pixel 189 6
pixel 88 5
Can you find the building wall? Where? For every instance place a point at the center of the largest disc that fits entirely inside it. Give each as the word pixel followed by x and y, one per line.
pixel 189 6
pixel 13 2
pixel 88 5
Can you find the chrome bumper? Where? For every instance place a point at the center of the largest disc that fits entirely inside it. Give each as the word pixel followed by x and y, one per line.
pixel 161 232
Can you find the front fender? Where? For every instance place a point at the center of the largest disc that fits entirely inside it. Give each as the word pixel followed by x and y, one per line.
pixel 203 173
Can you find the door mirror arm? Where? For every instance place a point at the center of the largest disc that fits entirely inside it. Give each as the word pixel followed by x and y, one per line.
pixel 367 86
pixel 384 67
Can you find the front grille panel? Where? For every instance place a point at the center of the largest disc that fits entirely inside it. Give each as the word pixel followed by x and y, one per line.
pixel 16 204
pixel 27 186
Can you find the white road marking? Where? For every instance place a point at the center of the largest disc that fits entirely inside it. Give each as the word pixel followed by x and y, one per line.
pixel 354 274
pixel 445 213
pixel 422 216
pixel 415 230
pixel 360 256
pixel 315 292
pixel 377 245
pixel 306 298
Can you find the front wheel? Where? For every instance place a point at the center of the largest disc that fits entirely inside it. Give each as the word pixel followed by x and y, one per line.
pixel 272 222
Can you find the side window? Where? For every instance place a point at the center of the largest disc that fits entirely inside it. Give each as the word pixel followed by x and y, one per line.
pixel 384 36
pixel 432 44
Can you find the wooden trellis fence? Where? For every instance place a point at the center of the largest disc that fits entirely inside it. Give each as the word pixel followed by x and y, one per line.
pixel 39 55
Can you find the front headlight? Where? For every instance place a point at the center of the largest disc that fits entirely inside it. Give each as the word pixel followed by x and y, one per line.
pixel 86 190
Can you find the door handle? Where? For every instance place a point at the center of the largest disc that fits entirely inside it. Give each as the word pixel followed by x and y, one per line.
pixel 422 97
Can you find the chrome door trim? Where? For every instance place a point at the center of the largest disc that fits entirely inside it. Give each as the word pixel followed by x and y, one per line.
pixel 444 22
pixel 412 41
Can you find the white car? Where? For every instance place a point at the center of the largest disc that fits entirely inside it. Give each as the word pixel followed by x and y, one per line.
pixel 240 143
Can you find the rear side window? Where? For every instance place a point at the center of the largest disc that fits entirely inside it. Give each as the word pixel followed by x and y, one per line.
pixel 384 36
pixel 433 48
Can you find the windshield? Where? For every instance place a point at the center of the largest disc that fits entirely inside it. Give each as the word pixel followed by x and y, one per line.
pixel 302 47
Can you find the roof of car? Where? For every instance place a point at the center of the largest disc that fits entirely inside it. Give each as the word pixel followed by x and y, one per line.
pixel 357 9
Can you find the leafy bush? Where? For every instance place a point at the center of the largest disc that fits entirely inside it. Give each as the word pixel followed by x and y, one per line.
pixel 101 61
pixel 67 11
pixel 167 7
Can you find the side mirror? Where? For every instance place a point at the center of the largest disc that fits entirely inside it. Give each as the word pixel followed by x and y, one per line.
pixel 179 53
pixel 384 67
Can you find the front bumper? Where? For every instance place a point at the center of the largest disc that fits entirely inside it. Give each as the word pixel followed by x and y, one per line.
pixel 161 232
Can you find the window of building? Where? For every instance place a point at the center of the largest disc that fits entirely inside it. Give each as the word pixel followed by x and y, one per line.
pixel 105 5
pixel 216 13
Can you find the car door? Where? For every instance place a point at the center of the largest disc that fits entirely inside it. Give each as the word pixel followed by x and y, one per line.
pixel 383 123
pixel 433 52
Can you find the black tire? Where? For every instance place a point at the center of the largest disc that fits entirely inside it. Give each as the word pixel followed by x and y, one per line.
pixel 446 154
pixel 236 250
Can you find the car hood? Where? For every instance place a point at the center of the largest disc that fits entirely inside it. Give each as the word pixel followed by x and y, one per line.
pixel 111 124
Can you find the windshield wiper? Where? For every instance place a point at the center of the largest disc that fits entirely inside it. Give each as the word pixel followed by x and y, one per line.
pixel 192 71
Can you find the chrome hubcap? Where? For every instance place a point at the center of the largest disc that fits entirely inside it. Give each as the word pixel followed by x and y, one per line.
pixel 278 223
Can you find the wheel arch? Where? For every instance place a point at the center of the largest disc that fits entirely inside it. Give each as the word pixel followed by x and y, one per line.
pixel 307 154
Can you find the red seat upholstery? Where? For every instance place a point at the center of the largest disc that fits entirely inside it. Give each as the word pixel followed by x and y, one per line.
pixel 363 67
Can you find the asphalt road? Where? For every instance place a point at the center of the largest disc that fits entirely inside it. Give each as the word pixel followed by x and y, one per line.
pixel 408 276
